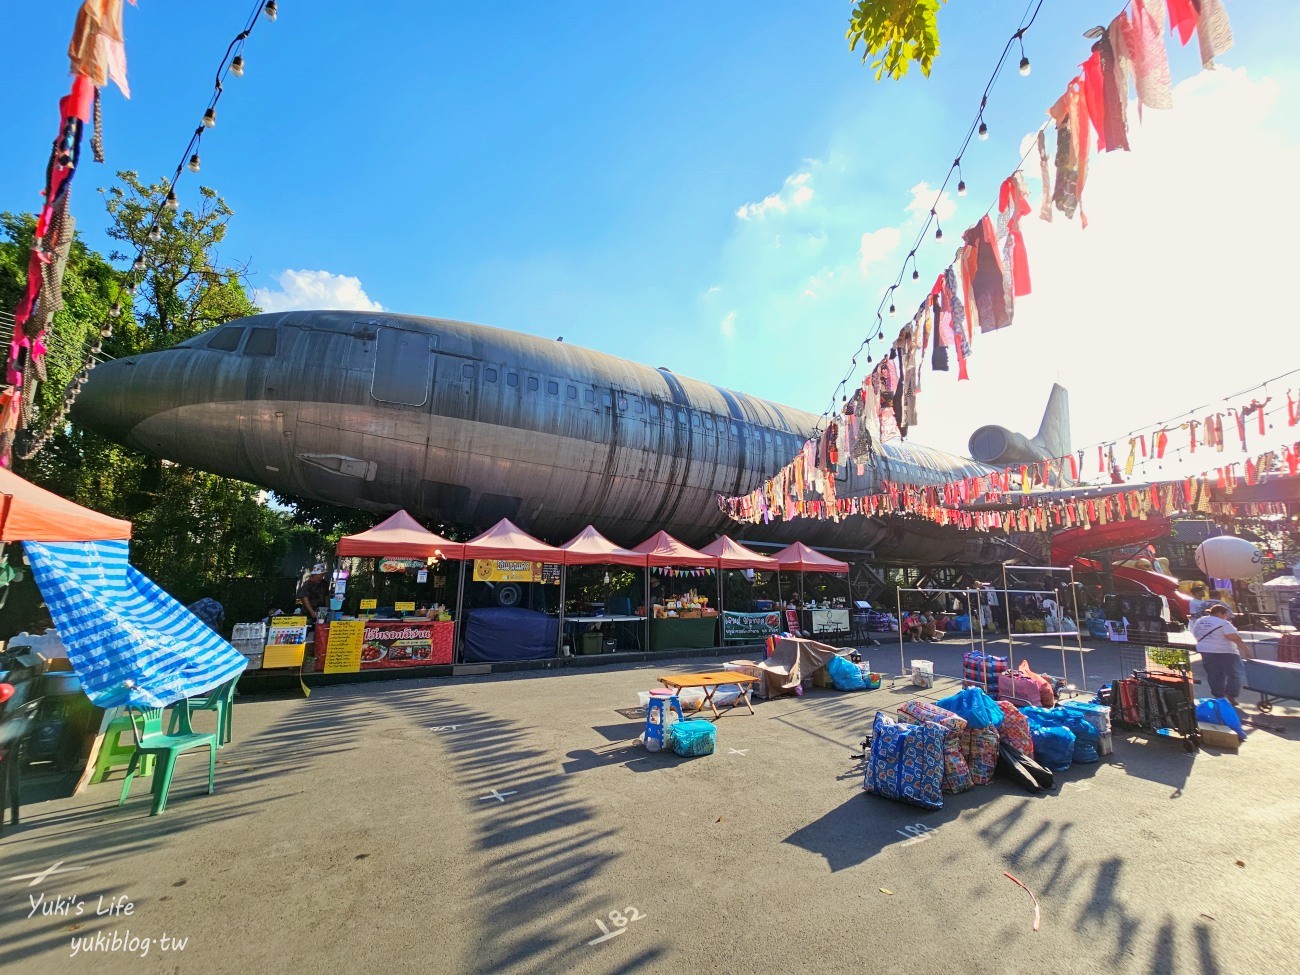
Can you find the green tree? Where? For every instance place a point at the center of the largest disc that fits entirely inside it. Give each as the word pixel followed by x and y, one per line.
pixel 896 33
pixel 193 531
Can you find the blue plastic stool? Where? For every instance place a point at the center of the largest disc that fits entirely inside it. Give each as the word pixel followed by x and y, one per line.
pixel 656 717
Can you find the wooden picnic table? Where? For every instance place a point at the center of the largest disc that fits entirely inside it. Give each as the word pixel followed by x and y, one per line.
pixel 710 682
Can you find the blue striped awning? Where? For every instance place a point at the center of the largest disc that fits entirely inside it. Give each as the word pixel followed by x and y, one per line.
pixel 128 641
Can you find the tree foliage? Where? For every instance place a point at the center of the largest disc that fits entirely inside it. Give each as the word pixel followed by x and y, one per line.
pixel 193 532
pixel 896 33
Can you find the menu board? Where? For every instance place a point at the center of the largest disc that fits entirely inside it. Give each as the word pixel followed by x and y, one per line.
pixel 286 642
pixel 343 647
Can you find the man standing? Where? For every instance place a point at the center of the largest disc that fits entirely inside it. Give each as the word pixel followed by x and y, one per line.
pixel 1221 650
pixel 314 594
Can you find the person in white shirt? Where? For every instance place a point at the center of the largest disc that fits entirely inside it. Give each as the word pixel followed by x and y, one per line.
pixel 1221 650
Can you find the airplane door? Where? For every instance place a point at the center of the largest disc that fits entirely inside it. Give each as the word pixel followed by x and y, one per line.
pixel 403 364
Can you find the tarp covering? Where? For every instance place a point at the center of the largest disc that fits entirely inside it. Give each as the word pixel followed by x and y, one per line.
pixel 32 514
pixel 119 627
pixel 590 547
pixel 800 558
pixel 663 550
pixel 400 537
pixel 506 540
pixel 510 633
pixel 792 660
pixel 732 555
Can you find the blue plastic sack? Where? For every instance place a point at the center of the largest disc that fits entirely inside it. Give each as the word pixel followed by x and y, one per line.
pixel 1219 710
pixel 906 762
pixel 694 738
pixel 1053 746
pixel 973 704
pixel 845 676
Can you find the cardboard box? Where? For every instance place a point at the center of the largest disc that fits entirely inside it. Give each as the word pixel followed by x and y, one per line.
pixel 1219 736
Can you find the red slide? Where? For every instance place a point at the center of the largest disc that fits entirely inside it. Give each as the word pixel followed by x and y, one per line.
pixel 1068 547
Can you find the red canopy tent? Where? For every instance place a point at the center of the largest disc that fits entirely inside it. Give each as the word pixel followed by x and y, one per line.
pixel 800 558
pixel 32 514
pixel 506 540
pixel 400 537
pixel 732 555
pixel 590 547
pixel 661 550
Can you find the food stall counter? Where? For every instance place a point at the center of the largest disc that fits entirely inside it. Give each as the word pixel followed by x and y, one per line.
pixel 387 643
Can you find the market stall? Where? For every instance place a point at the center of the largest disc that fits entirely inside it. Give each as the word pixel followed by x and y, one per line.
pixel 361 642
pixel 826 621
pixel 681 619
pixel 739 626
pixel 589 632
pixel 509 632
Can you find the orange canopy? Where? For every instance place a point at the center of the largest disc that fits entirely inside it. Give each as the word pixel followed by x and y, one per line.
pixel 590 547
pixel 400 537
pixel 661 550
pixel 800 558
pixel 506 540
pixel 32 514
pixel 732 555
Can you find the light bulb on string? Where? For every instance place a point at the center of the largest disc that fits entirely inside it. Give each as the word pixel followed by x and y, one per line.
pixel 1024 67
pixel 171 203
pixel 193 165
pixel 938 230
pixel 137 265
pixel 892 309
pixel 272 11
pixel 983 131
pixel 961 187
pixel 155 232
pixel 1024 61
pixel 237 66
pixel 210 117
pixel 115 311
pixel 916 275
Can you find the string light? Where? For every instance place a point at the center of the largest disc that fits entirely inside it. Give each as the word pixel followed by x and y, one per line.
pixel 171 203
pixel 272 11
pixel 983 131
pixel 237 66
pixel 155 232
pixel 1024 61
pixel 210 117
pixel 193 165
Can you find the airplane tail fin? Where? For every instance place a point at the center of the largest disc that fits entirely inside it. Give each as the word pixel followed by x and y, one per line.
pixel 997 446
pixel 1054 432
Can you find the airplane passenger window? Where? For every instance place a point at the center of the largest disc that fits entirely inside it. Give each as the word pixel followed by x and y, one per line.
pixel 571 392
pixel 708 423
pixel 588 396
pixel 512 379
pixel 638 407
pixel 226 339
pixel 553 388
pixel 532 384
pixel 467 371
pixel 490 375
pixel 402 367
pixel 261 341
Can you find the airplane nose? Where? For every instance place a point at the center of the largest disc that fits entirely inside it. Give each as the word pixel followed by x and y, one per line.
pixel 112 401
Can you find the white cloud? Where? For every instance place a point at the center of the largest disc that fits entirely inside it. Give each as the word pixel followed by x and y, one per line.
pixel 876 245
pixel 728 327
pixel 323 290
pixel 923 198
pixel 796 192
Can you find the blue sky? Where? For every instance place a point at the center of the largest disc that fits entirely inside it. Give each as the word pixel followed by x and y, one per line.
pixel 688 184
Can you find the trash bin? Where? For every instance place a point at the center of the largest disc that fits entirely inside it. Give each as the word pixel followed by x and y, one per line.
pixel 591 642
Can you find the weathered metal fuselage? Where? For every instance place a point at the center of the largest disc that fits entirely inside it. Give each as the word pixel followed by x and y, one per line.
pixel 467 424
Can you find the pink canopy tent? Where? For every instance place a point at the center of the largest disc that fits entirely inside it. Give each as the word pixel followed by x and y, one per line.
pixel 800 558
pixel 400 537
pixel 506 540
pixel 662 550
pixel 732 555
pixel 590 547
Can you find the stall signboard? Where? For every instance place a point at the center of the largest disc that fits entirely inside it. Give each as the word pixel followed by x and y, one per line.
pixel 343 646
pixel 286 642
pixel 750 626
pixel 406 607
pixel 829 621
pixel 400 565
pixel 792 620
pixel 505 570
pixel 400 643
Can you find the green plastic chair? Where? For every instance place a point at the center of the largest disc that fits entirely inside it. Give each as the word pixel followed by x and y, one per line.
pixel 220 699
pixel 116 750
pixel 150 740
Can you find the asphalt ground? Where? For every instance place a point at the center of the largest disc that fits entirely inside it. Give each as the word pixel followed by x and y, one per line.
pixel 513 824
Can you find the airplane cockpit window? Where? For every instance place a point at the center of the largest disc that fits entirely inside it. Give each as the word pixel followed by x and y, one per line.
pixel 588 396
pixel 226 339
pixel 708 423
pixel 570 392
pixel 553 388
pixel 467 370
pixel 638 407
pixel 261 341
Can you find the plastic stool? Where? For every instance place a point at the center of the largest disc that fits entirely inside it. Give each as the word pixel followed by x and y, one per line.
pixel 115 751
pixel 657 716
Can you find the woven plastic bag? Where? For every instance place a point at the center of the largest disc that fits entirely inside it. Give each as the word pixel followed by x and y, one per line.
pixel 694 738
pixel 906 762
pixel 979 746
pixel 1014 729
pixel 956 772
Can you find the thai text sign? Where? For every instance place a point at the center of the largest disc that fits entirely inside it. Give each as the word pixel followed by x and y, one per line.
pixel 750 626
